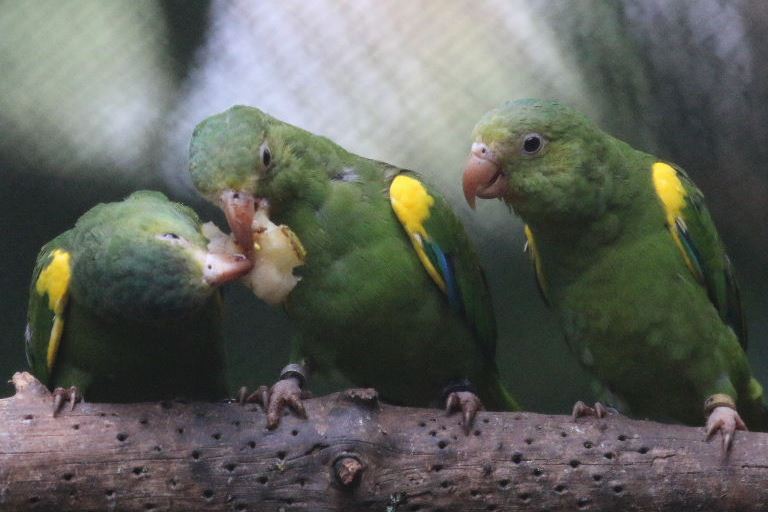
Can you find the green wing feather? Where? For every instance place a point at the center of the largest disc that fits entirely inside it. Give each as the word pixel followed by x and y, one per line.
pixel 41 317
pixel 696 237
pixel 450 255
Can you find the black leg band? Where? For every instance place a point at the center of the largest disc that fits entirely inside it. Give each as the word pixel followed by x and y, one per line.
pixel 458 385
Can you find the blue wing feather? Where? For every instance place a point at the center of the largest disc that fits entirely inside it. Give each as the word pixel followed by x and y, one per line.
pixel 444 264
pixel 694 256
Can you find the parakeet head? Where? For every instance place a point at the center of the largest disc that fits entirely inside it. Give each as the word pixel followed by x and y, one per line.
pixel 242 155
pixel 145 258
pixel 544 159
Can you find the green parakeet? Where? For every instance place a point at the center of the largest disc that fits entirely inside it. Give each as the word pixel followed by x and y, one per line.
pixel 628 256
pixel 124 306
pixel 391 294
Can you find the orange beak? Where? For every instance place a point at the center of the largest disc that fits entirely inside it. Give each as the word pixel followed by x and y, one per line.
pixel 239 209
pixel 483 176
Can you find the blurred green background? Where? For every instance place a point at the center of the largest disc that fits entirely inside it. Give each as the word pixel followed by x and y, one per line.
pixel 99 98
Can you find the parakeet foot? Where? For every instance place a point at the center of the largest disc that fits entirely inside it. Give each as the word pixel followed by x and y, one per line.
pixel 727 421
pixel 468 403
pixel 286 391
pixel 61 395
pixel 580 409
pixel 260 396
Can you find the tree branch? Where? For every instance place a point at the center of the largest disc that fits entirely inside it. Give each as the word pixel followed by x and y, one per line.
pixel 356 454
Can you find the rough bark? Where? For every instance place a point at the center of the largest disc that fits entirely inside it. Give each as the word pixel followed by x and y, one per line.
pixel 354 453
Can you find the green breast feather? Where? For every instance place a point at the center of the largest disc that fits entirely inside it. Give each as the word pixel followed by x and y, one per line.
pixel 439 240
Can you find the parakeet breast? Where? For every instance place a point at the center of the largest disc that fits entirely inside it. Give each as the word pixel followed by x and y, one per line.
pixel 639 321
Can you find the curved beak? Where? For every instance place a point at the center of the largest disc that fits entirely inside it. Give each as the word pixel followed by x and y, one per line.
pixel 239 209
pixel 483 176
pixel 220 268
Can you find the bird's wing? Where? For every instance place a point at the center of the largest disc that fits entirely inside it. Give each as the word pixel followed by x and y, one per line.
pixel 695 235
pixel 445 252
pixel 48 296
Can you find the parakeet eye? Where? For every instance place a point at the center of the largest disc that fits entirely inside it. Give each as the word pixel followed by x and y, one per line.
pixel 532 143
pixel 171 237
pixel 266 155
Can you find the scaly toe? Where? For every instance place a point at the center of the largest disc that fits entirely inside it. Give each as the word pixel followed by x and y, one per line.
pixel 580 410
pixel 62 395
pixel 727 421
pixel 284 392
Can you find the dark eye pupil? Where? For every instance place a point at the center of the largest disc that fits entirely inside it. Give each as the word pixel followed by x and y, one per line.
pixel 173 236
pixel 266 157
pixel 531 144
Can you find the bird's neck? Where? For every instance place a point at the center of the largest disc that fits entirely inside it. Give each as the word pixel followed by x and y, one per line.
pixel 568 249
pixel 304 187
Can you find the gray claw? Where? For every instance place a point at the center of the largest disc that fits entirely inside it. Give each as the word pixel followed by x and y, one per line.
pixel 580 409
pixel 61 395
pixel 466 402
pixel 298 406
pixel 72 398
pixel 260 396
pixel 242 393
pixel 58 400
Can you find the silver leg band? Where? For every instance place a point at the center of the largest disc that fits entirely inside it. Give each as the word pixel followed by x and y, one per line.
pixel 294 370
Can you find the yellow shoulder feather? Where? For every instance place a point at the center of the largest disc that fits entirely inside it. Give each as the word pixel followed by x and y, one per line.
pixel 411 203
pixel 530 247
pixel 54 281
pixel 672 194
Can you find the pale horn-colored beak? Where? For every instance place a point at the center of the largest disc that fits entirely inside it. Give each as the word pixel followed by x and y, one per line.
pixel 239 209
pixel 220 268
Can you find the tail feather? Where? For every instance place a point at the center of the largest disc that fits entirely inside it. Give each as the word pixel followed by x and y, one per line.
pixel 757 418
pixel 755 411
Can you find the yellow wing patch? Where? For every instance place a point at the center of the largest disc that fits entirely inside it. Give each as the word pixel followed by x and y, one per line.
pixel 530 247
pixel 671 193
pixel 670 190
pixel 54 281
pixel 411 203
